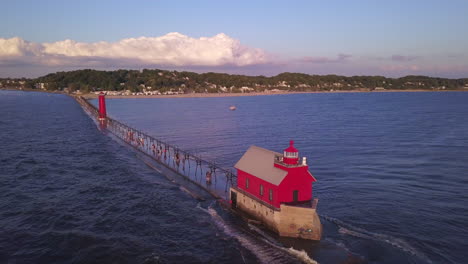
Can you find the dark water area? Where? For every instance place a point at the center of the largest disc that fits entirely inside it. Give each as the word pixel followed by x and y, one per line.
pixel 70 194
pixel 392 171
pixel 392 168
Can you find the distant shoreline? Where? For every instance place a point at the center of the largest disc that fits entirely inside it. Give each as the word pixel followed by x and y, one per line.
pixel 209 95
pixel 213 95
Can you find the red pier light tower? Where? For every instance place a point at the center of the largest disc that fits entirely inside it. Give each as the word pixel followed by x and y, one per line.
pixel 102 107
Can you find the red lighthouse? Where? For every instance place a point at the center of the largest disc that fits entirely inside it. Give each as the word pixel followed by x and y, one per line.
pixel 276 189
pixel 275 178
pixel 102 107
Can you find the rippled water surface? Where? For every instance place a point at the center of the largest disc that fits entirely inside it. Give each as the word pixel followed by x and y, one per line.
pixel 392 168
pixel 70 194
pixel 392 172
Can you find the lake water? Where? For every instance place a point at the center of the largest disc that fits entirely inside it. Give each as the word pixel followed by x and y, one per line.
pixel 392 171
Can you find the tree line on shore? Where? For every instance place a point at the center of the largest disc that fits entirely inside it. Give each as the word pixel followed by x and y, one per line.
pixel 162 80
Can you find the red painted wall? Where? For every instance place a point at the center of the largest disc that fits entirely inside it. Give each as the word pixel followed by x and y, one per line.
pixel 297 179
pixel 254 188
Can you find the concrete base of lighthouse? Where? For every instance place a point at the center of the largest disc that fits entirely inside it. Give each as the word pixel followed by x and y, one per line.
pixel 288 220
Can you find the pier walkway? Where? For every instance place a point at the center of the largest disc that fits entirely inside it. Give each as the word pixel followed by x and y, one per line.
pixel 193 168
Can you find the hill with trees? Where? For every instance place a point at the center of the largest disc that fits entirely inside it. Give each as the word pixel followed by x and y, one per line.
pixel 163 81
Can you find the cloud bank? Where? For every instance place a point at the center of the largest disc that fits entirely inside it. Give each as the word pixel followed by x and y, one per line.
pixel 340 58
pixel 173 49
pixel 219 53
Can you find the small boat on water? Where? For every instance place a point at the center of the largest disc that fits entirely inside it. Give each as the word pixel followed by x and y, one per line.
pixel 232 107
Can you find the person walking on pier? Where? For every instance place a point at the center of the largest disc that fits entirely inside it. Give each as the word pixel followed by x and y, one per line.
pixel 153 148
pixel 129 138
pixel 177 159
pixel 159 152
pixel 208 177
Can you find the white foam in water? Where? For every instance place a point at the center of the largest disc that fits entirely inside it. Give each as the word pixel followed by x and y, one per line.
pixel 300 254
pixel 342 245
pixel 267 253
pixel 348 229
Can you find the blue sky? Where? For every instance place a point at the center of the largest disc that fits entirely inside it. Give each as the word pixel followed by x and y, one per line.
pixel 391 38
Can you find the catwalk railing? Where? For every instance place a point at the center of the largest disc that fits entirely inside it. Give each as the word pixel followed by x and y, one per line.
pixel 207 175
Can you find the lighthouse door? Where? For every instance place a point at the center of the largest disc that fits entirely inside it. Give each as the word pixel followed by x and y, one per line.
pixel 295 196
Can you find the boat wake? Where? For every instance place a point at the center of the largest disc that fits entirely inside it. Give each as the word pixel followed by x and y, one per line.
pixel 348 229
pixel 265 252
pixel 300 254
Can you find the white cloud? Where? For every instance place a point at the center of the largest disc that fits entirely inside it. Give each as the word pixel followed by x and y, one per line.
pixel 173 49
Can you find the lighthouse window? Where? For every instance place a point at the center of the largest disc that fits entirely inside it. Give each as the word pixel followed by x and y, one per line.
pixel 247 183
pixel 291 154
pixel 271 195
pixel 261 189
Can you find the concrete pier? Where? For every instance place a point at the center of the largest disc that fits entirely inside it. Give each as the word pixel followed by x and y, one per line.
pixel 301 221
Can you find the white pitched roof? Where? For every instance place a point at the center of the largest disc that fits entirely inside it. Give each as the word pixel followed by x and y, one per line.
pixel 259 162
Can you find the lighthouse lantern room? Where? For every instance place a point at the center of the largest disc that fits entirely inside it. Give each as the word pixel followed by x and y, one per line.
pixel 291 155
